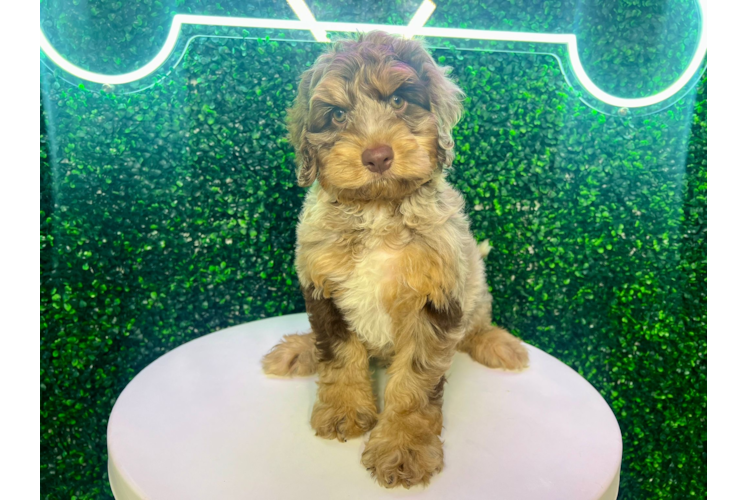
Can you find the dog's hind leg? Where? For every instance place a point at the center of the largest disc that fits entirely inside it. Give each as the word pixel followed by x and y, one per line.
pixel 294 356
pixel 490 345
pixel 487 344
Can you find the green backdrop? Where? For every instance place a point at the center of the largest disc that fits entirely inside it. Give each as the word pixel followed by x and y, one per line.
pixel 169 213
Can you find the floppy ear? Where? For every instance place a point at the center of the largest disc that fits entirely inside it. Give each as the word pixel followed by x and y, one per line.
pixel 446 103
pixel 296 118
pixel 445 96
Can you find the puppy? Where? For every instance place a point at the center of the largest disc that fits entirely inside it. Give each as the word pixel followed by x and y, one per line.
pixel 385 257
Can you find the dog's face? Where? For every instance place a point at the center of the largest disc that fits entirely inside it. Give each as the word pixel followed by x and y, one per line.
pixel 373 119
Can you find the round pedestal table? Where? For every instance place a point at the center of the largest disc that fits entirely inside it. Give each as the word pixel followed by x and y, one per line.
pixel 204 422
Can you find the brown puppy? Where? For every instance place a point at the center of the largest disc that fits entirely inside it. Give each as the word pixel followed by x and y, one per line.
pixel 384 254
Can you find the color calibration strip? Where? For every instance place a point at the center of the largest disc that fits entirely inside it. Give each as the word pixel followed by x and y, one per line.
pixel 711 267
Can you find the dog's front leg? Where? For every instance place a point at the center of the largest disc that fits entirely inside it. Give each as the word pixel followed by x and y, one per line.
pixel 405 448
pixel 345 406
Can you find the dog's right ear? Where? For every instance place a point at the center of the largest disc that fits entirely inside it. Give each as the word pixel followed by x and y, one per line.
pixel 296 118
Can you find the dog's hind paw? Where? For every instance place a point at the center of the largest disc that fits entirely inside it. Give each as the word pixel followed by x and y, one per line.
pixel 496 348
pixel 294 356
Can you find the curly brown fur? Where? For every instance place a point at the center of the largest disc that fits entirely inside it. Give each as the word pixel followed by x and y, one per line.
pixel 495 348
pixel 384 251
pixel 294 356
pixel 345 407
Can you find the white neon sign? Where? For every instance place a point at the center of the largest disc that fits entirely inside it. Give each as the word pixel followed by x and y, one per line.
pixel 319 29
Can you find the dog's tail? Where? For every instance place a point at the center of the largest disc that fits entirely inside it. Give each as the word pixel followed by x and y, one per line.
pixel 294 356
pixel 484 247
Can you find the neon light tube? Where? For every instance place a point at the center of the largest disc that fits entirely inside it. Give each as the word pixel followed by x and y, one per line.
pixel 302 11
pixel 319 29
pixel 420 17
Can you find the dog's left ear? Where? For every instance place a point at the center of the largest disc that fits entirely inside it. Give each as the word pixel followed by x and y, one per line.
pixel 446 103
pixel 296 118
pixel 445 96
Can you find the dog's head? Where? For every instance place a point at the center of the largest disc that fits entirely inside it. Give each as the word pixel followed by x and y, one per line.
pixel 373 118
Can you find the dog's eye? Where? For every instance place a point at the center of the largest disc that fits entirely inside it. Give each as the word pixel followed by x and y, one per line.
pixel 339 115
pixel 397 102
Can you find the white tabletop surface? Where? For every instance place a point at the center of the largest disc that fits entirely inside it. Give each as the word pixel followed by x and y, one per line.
pixel 204 422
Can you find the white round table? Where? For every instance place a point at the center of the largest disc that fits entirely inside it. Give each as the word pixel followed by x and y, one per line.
pixel 204 422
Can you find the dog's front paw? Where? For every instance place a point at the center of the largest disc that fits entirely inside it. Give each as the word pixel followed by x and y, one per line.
pixel 402 457
pixel 343 421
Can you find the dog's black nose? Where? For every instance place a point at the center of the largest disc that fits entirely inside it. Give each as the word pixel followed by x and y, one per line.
pixel 378 159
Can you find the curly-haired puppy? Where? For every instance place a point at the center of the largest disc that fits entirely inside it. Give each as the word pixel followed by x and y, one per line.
pixel 384 254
